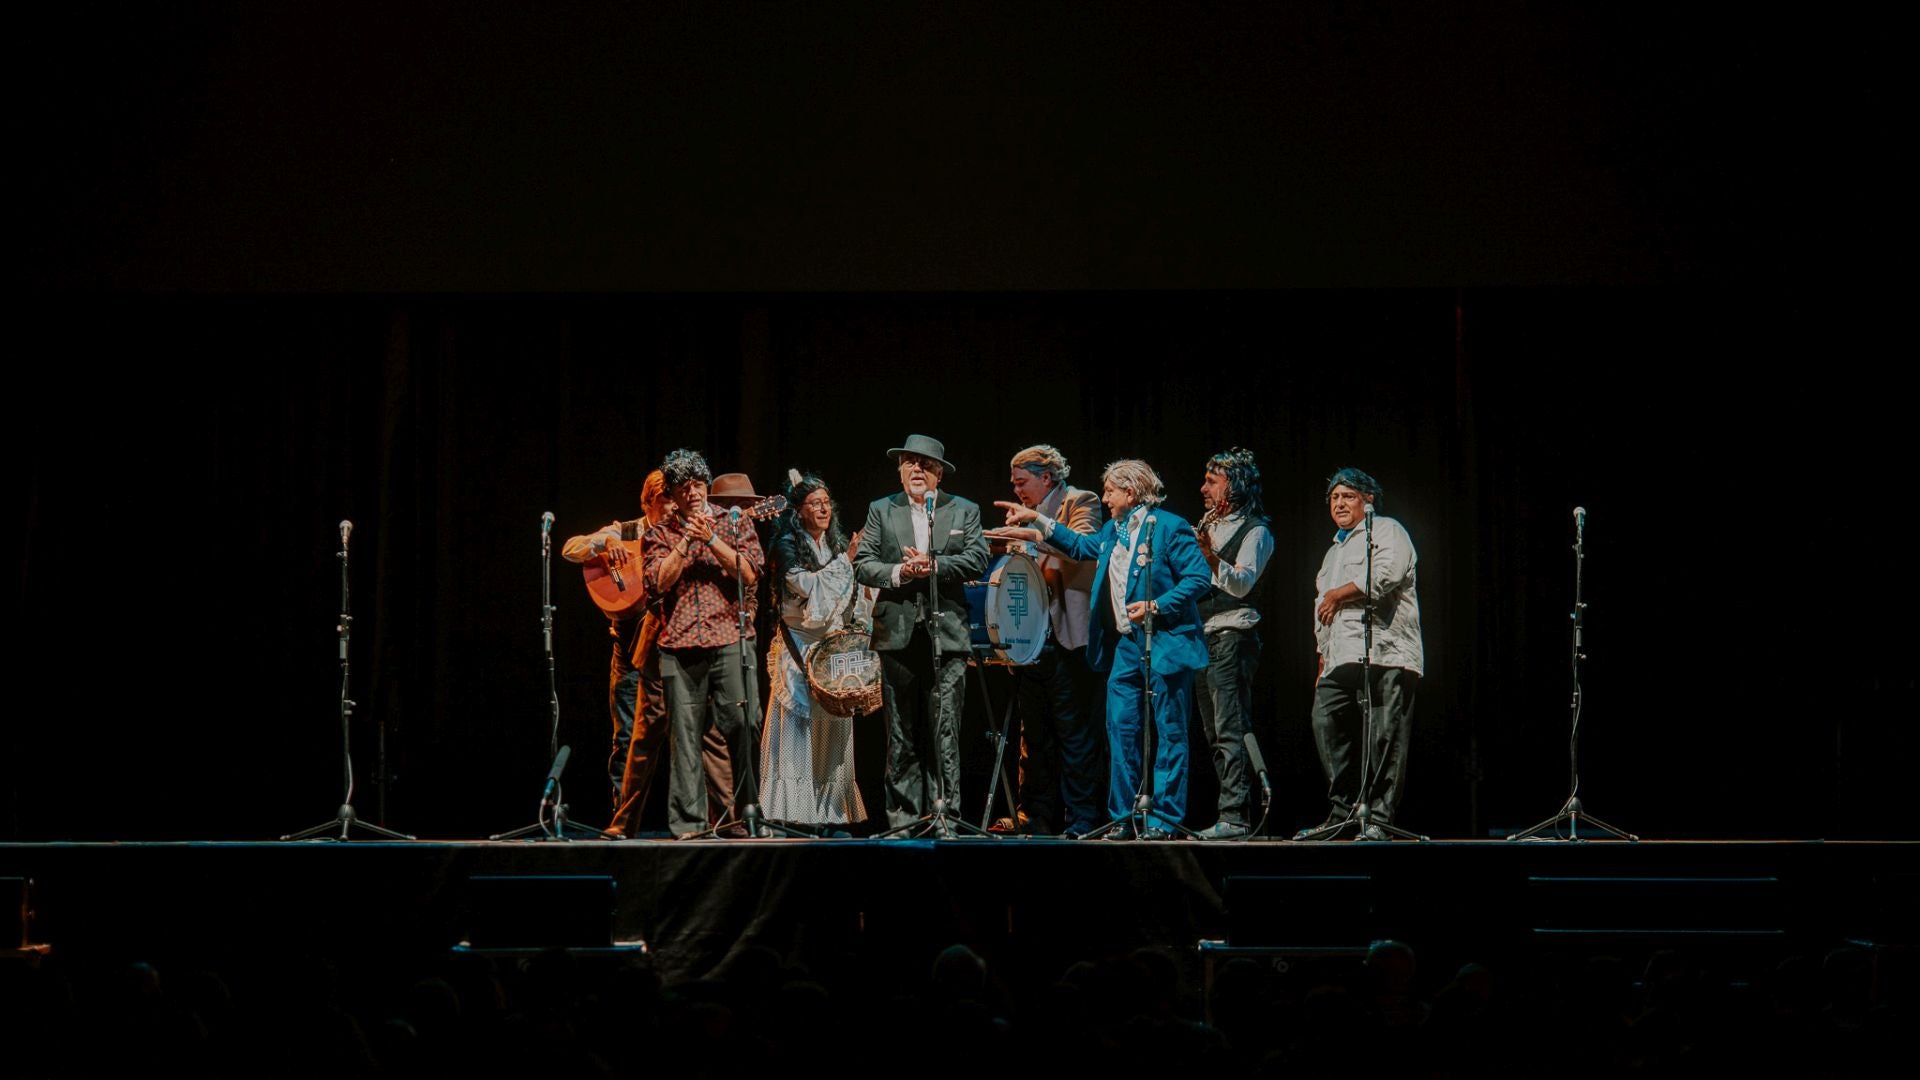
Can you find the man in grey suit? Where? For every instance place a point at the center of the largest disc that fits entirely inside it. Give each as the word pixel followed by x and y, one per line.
pixel 919 548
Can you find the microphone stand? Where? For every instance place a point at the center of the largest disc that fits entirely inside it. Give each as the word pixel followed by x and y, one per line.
pixel 552 796
pixel 751 811
pixel 940 822
pixel 1143 795
pixel 757 827
pixel 1360 816
pixel 1140 819
pixel 1571 812
pixel 1259 764
pixel 345 819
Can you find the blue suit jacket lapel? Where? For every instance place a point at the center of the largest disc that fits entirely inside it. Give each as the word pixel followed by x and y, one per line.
pixel 1135 572
pixel 1100 586
pixel 1151 537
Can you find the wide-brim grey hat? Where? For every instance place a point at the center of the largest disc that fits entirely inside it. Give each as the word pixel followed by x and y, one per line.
pixel 925 447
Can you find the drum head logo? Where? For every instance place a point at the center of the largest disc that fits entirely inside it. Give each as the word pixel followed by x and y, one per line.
pixel 1017 597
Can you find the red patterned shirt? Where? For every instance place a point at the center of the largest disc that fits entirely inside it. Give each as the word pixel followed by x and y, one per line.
pixel 700 608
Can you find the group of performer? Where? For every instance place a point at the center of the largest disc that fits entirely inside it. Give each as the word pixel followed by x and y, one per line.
pixel 1164 612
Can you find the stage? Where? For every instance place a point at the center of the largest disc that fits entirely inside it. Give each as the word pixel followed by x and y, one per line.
pixel 1032 906
pixel 1558 280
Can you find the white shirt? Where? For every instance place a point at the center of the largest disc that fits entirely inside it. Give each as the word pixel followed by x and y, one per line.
pixel 1120 565
pixel 1237 578
pixel 1396 602
pixel 922 529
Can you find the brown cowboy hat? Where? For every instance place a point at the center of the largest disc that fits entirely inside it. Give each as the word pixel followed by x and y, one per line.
pixel 925 447
pixel 732 489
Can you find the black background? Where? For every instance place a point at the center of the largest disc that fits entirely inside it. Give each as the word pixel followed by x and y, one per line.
pixel 441 269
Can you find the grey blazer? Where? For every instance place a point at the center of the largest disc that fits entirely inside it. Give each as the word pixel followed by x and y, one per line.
pixel 959 556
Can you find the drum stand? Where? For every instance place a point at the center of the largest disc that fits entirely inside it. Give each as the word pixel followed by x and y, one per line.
pixel 999 774
pixel 983 656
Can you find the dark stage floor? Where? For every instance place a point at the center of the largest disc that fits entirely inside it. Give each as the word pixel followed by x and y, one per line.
pixel 1032 905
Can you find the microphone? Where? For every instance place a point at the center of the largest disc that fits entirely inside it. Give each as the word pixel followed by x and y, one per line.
pixel 346 530
pixel 1259 766
pixel 1367 508
pixel 553 774
pixel 1580 519
pixel 932 493
pixel 546 521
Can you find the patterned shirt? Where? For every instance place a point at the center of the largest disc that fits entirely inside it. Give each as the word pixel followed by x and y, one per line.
pixel 700 608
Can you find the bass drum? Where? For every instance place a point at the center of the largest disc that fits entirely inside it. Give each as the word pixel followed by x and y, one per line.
pixel 1007 613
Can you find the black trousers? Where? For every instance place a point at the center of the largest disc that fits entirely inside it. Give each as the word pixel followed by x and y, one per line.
pixel 915 738
pixel 623 694
pixel 639 700
pixel 705 689
pixel 1225 693
pixel 1063 744
pixel 1339 730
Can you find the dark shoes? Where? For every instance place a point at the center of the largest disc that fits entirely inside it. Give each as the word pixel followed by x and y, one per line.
pixel 1330 830
pixel 1025 826
pixel 1223 830
pixel 1325 828
pixel 1125 832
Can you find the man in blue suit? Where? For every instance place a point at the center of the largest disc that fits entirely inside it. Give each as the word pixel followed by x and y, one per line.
pixel 1147 583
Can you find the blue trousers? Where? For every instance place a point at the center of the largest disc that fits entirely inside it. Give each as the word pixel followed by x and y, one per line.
pixel 1172 704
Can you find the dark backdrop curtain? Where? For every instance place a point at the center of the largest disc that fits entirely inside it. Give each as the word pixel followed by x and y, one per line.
pixel 183 462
